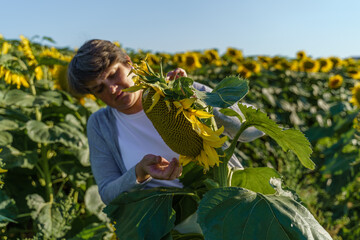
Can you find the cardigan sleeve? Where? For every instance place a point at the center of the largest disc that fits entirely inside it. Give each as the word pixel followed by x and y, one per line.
pixel 108 176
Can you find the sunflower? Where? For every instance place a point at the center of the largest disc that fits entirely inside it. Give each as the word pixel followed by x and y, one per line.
pixel 355 99
pixel 152 59
pixel 325 64
pixel 301 55
pixel 26 49
pixel 234 53
pixel 5 48
pixel 190 61
pixel 335 81
pixel 13 78
pixel 337 62
pixel 211 56
pixel 353 73
pixel 309 65
pixel 179 116
pixel 244 72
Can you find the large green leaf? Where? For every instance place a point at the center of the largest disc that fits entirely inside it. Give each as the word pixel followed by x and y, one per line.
pixel 236 213
pixel 8 209
pixel 6 124
pixel 94 231
pixel 62 132
pixel 12 157
pixel 48 97
pixel 288 139
pixel 19 98
pixel 5 138
pixel 53 220
pixel 94 204
pixel 227 92
pixel 144 214
pixel 255 179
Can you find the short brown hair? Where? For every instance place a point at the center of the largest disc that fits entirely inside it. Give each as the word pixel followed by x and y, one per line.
pixel 91 60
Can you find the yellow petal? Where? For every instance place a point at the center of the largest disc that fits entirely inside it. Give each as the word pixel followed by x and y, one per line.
pixel 187 102
pixel 202 114
pixel 184 160
pixel 155 98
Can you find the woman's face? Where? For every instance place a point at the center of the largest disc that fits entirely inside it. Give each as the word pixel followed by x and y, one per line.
pixel 108 87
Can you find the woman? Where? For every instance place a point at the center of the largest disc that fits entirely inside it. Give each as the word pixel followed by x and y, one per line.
pixel 126 152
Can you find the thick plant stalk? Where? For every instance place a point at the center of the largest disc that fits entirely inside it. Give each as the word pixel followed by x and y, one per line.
pixel 221 173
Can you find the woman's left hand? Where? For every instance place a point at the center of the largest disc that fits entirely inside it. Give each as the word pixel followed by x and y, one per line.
pixel 175 74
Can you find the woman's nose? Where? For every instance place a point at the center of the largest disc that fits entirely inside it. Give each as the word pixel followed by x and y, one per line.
pixel 113 88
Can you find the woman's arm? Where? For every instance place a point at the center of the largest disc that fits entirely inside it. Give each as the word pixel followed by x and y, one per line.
pixel 108 176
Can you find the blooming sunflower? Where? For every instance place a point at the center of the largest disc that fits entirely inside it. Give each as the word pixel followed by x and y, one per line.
pixel 325 64
pixel 211 56
pixel 337 62
pixel 309 65
pixel 335 81
pixel 13 78
pixel 5 48
pixel 190 61
pixel 179 116
pixel 301 55
pixel 354 73
pixel 355 99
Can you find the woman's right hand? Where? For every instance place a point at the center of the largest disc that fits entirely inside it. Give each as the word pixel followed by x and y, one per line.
pixel 157 167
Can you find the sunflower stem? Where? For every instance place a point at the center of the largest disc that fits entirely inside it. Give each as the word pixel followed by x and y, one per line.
pixel 221 173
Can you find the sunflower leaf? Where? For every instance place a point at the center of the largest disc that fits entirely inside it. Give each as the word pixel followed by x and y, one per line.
pixel 288 139
pixel 144 213
pixel 255 179
pixel 257 216
pixel 182 87
pixel 229 91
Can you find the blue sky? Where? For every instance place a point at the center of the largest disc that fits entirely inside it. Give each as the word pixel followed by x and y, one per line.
pixel 322 28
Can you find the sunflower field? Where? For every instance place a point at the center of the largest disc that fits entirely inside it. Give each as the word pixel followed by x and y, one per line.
pixel 48 190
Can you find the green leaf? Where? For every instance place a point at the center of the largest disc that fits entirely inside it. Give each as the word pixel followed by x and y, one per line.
pixel 144 214
pixel 5 138
pixel 48 98
pixel 53 220
pixel 227 92
pixel 94 204
pixel 63 133
pixel 6 124
pixel 182 86
pixel 255 179
pixel 94 231
pixel 340 163
pixel 19 98
pixel 12 157
pixel 8 209
pixel 288 139
pixel 236 213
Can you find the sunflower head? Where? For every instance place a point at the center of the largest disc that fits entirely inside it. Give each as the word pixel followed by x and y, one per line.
pixel 179 116
pixel 325 64
pixel 355 99
pixel 309 65
pixel 353 73
pixel 335 81
pixel 301 55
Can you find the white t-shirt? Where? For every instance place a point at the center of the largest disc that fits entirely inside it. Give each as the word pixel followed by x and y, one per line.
pixel 138 137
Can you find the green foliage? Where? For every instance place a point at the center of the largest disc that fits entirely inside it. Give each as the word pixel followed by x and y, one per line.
pixel 281 216
pixel 44 148
pixel 255 179
pixel 145 214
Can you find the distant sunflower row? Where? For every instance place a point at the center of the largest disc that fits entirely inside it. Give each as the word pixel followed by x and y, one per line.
pixel 31 59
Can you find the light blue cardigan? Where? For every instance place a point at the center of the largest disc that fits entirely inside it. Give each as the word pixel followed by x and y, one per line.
pixel 107 165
